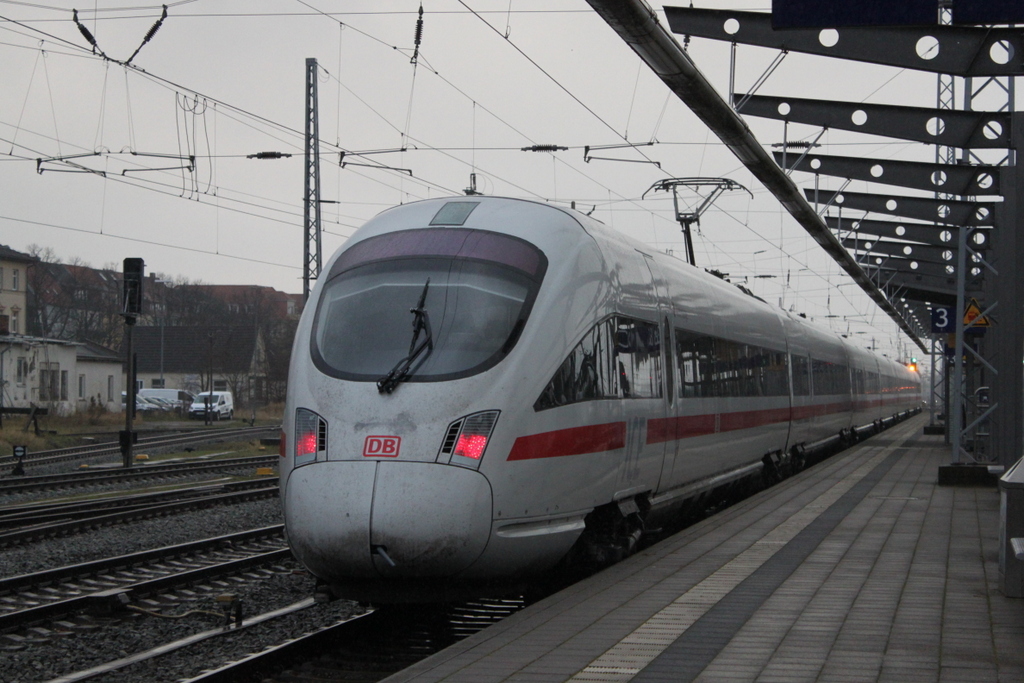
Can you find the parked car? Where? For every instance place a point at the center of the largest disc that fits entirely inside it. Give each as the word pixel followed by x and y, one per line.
pixel 222 405
pixel 142 405
pixel 162 404
pixel 175 397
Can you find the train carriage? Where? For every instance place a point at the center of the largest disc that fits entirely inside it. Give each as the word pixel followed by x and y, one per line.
pixel 482 387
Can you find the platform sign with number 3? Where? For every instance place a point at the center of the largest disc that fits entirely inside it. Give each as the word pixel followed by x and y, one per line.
pixel 943 319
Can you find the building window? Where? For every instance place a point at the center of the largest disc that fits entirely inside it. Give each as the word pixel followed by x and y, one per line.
pixel 50 382
pixel 81 386
pixel 14 279
pixel 110 388
pixel 22 371
pixel 158 383
pixel 63 385
pixel 14 324
pixel 220 385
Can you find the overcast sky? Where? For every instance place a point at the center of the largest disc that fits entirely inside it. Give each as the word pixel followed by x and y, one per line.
pixel 223 79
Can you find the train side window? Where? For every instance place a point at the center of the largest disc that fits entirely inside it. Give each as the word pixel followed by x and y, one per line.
pixel 695 355
pixel 801 375
pixel 587 372
pixel 830 378
pixel 773 377
pixel 638 358
pixel 872 383
pixel 732 377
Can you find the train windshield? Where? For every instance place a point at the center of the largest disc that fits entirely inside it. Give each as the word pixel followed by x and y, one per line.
pixel 476 305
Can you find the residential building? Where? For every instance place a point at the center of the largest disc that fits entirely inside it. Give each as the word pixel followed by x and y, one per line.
pixel 36 371
pixel 14 267
pixel 99 378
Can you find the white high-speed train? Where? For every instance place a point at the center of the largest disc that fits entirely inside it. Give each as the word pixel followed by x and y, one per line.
pixel 481 385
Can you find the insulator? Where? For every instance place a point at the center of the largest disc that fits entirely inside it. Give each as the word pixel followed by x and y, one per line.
pixel 419 37
pixel 419 28
pixel 156 27
pixel 81 27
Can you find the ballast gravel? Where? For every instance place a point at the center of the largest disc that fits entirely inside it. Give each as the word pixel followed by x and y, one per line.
pixel 136 536
pixel 105 640
pixel 118 639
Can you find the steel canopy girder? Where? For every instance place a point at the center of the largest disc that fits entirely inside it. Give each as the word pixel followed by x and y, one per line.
pixel 948 178
pixel 923 288
pixel 949 128
pixel 957 50
pixel 925 233
pixel 906 266
pixel 637 24
pixel 921 253
pixel 947 211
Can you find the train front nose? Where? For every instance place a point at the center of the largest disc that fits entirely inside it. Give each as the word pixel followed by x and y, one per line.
pixel 372 519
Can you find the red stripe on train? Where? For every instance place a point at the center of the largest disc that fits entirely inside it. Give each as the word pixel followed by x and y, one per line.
pixel 572 441
pixel 611 436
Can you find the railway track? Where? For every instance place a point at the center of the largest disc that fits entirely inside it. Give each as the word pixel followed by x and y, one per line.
pixel 41 597
pixel 21 524
pixel 139 472
pixel 368 648
pixel 112 447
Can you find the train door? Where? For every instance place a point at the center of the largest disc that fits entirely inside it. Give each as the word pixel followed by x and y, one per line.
pixel 661 427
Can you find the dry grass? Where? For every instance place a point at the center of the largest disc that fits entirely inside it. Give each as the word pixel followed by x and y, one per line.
pixel 57 430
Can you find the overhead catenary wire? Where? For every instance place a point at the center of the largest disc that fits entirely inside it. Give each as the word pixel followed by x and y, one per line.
pixel 622 204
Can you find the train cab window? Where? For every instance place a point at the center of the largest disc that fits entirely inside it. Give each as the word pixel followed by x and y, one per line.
pixel 476 289
pixel 617 358
pixel 586 374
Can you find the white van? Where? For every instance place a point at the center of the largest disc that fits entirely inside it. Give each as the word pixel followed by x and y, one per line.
pixel 222 405
pixel 175 397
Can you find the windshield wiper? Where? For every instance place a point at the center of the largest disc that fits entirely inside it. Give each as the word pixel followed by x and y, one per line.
pixel 404 369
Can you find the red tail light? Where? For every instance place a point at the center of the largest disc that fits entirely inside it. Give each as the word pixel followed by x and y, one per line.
pixel 306 445
pixel 471 446
pixel 466 439
pixel 310 437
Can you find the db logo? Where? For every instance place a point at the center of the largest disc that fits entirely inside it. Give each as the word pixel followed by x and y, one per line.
pixel 381 446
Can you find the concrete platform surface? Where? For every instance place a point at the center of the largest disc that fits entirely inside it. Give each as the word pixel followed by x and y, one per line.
pixel 861 568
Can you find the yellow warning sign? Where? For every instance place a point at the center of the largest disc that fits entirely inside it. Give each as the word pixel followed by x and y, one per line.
pixel 973 316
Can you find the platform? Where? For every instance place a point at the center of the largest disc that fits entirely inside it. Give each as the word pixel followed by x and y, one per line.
pixel 861 568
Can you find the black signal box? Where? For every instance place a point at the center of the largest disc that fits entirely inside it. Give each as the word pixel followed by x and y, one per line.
pixel 134 275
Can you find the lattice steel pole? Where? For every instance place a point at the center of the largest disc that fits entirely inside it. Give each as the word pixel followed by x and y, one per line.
pixel 311 260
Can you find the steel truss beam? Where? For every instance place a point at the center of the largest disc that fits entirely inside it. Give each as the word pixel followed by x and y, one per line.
pixel 920 208
pixel 957 180
pixel 971 129
pixel 957 50
pixel 919 253
pixel 943 236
